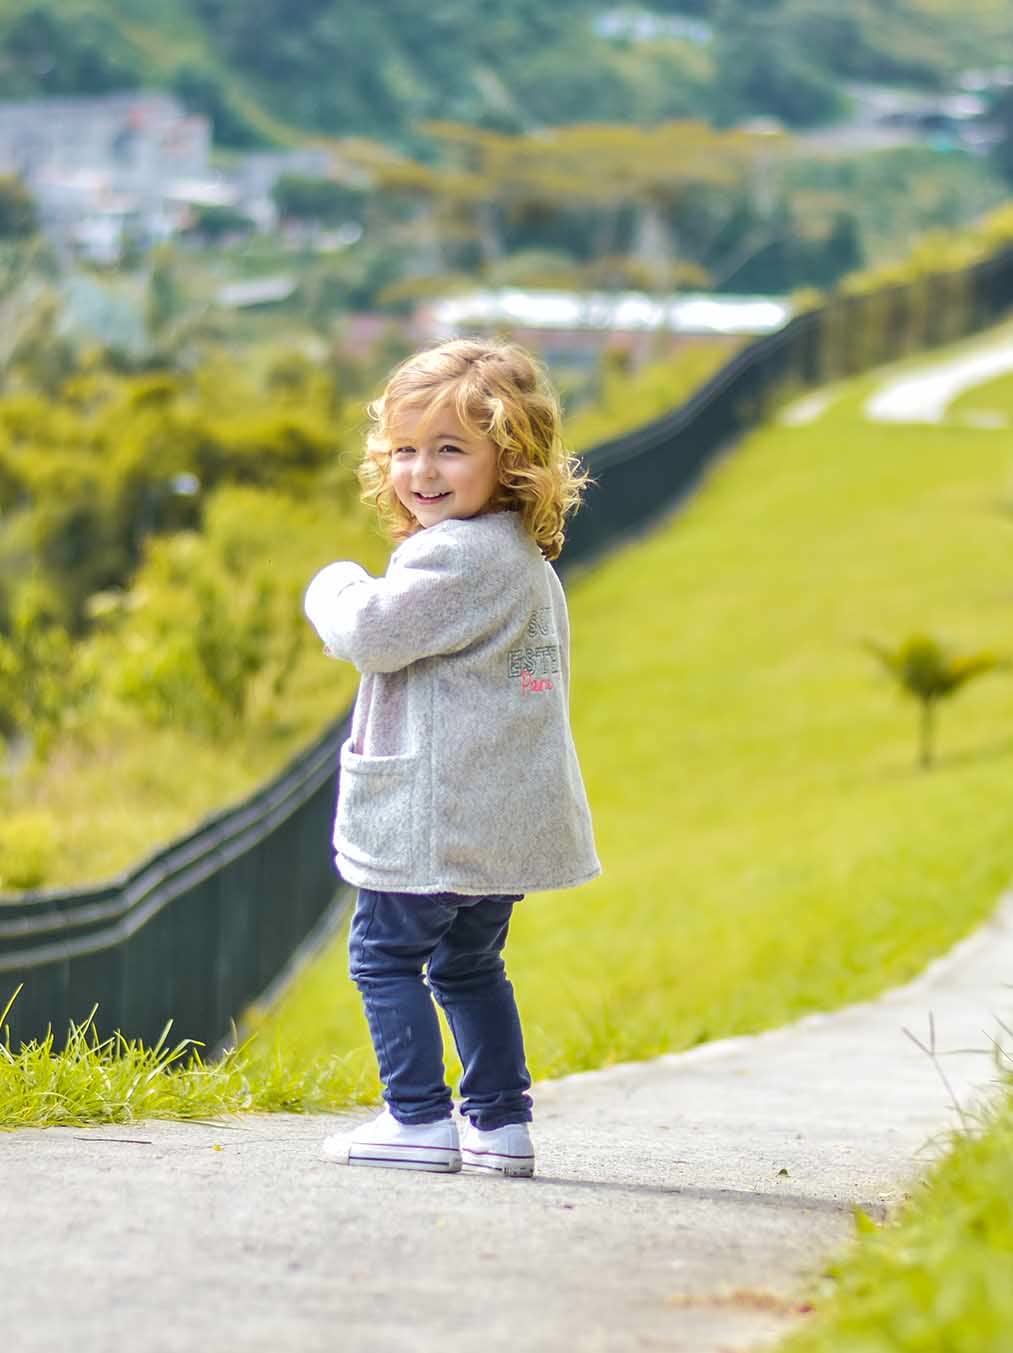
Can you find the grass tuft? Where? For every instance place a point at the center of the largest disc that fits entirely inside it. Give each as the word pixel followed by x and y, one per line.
pixel 94 1080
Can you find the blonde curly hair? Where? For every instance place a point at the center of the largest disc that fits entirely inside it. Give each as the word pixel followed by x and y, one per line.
pixel 500 391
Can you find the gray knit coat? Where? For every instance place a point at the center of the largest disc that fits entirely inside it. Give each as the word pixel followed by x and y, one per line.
pixel 460 774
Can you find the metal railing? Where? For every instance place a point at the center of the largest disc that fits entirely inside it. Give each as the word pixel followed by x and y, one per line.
pixel 195 932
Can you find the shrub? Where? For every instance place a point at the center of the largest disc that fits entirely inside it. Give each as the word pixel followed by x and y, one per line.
pixel 928 672
pixel 27 843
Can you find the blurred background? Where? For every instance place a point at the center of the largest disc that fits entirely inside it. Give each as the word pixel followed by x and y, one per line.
pixel 348 177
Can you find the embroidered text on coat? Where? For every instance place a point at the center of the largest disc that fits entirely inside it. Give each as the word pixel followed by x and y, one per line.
pixel 532 683
pixel 540 624
pixel 537 662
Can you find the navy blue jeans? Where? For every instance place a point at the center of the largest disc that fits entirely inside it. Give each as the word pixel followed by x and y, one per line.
pixel 459 941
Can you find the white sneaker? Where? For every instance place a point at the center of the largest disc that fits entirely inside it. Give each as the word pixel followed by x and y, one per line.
pixel 397 1146
pixel 506 1150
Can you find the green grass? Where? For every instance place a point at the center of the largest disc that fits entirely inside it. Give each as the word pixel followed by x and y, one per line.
pixel 938 1276
pixel 116 1080
pixel 628 401
pixel 991 400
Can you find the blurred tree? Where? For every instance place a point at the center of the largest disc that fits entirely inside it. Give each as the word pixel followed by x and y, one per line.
pixel 926 671
pixel 18 217
pixel 42 354
pixel 844 251
pixel 760 67
pixel 38 686
pixel 99 478
pixel 204 91
pixel 215 224
pixel 164 295
pixel 635 184
pixel 342 68
pixel 209 617
pixel 316 199
pixel 1002 116
pixel 65 50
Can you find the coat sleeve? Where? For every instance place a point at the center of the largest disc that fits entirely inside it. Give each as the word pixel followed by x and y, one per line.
pixel 428 602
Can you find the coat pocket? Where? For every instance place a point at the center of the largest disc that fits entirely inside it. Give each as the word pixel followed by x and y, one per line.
pixel 374 824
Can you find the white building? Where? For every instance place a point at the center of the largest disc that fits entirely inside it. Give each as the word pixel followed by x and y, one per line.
pixel 133 166
pixel 574 326
pixel 102 167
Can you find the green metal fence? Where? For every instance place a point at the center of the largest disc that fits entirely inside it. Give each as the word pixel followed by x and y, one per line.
pixel 203 927
pixel 195 932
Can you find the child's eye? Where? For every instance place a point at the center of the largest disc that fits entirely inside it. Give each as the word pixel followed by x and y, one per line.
pixel 448 447
pixel 403 450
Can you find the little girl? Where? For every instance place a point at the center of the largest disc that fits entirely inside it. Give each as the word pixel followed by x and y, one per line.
pixel 459 789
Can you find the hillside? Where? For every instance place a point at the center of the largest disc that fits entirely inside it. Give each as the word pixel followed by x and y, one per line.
pixel 268 70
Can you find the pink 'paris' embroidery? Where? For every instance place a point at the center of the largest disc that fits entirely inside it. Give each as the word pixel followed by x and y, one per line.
pixel 533 683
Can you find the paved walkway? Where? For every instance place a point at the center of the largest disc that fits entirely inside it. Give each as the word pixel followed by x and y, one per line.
pixel 924 396
pixel 921 396
pixel 679 1204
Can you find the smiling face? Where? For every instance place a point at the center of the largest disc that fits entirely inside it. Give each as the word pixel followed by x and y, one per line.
pixel 439 469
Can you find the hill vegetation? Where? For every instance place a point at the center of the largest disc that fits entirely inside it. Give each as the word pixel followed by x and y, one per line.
pixel 265 70
pixel 639 175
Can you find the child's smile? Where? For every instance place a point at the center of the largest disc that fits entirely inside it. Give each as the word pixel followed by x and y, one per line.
pixel 439 469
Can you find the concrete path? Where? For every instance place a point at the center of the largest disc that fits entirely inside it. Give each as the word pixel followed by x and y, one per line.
pixel 679 1204
pixel 807 409
pixel 923 397
pixel 920 396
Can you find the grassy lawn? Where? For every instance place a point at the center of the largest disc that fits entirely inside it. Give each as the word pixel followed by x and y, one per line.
pixel 991 402
pixel 624 402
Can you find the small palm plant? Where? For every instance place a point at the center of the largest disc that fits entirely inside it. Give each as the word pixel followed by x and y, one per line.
pixel 928 672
